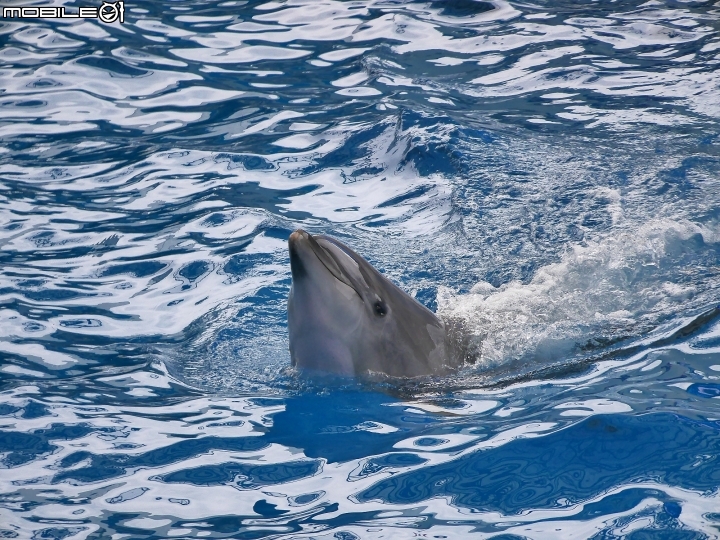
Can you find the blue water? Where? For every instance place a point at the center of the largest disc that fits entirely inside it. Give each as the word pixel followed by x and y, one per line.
pixel 545 173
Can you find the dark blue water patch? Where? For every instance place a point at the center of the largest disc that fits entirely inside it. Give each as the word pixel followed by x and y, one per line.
pixel 253 195
pixel 330 426
pixel 499 276
pixel 345 535
pixel 194 270
pixel 247 162
pixel 377 222
pixel 270 295
pixel 267 509
pixel 444 149
pixel 6 409
pixel 430 441
pixel 33 327
pixel 81 323
pixel 244 475
pixel 57 533
pixel 55 295
pixel 215 220
pixel 351 152
pixel 672 508
pixel 25 447
pixel 240 264
pixel 264 402
pixel 576 463
pixel 427 296
pixel 106 466
pixel 473 134
pixel 8 257
pixel 622 502
pixel 463 8
pixel 22 103
pixel 658 533
pixel 28 283
pixel 305 498
pixel 68 432
pixel 412 194
pixel 127 446
pixel 13 226
pixel 704 390
pixel 22 448
pixel 279 233
pixel 359 174
pixel 435 158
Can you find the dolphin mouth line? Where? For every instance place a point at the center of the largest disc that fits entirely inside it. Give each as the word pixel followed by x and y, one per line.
pixel 333 266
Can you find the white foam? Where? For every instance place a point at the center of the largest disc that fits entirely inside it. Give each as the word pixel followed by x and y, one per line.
pixel 618 286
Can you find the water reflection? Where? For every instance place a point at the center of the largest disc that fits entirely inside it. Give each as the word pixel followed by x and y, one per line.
pixel 546 172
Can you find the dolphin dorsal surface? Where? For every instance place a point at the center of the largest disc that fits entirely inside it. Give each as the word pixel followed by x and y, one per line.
pixel 346 318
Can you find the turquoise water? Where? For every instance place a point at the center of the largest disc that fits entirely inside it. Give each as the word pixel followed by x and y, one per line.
pixel 548 173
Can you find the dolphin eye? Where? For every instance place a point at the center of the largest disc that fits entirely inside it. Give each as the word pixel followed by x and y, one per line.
pixel 380 308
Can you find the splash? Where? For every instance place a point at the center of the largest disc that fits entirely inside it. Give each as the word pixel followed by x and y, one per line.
pixel 601 292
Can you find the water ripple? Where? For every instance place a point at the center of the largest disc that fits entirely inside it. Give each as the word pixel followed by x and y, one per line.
pixel 545 174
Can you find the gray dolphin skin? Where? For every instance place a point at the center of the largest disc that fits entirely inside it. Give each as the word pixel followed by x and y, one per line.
pixel 346 318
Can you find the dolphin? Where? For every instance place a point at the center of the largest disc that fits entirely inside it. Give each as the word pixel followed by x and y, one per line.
pixel 346 318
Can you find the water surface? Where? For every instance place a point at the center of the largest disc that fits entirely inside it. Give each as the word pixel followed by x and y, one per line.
pixel 548 172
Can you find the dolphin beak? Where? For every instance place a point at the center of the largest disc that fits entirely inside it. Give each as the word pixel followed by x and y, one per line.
pixel 295 242
pixel 297 236
pixel 301 238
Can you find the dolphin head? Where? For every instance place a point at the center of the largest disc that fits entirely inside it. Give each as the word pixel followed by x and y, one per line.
pixel 344 317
